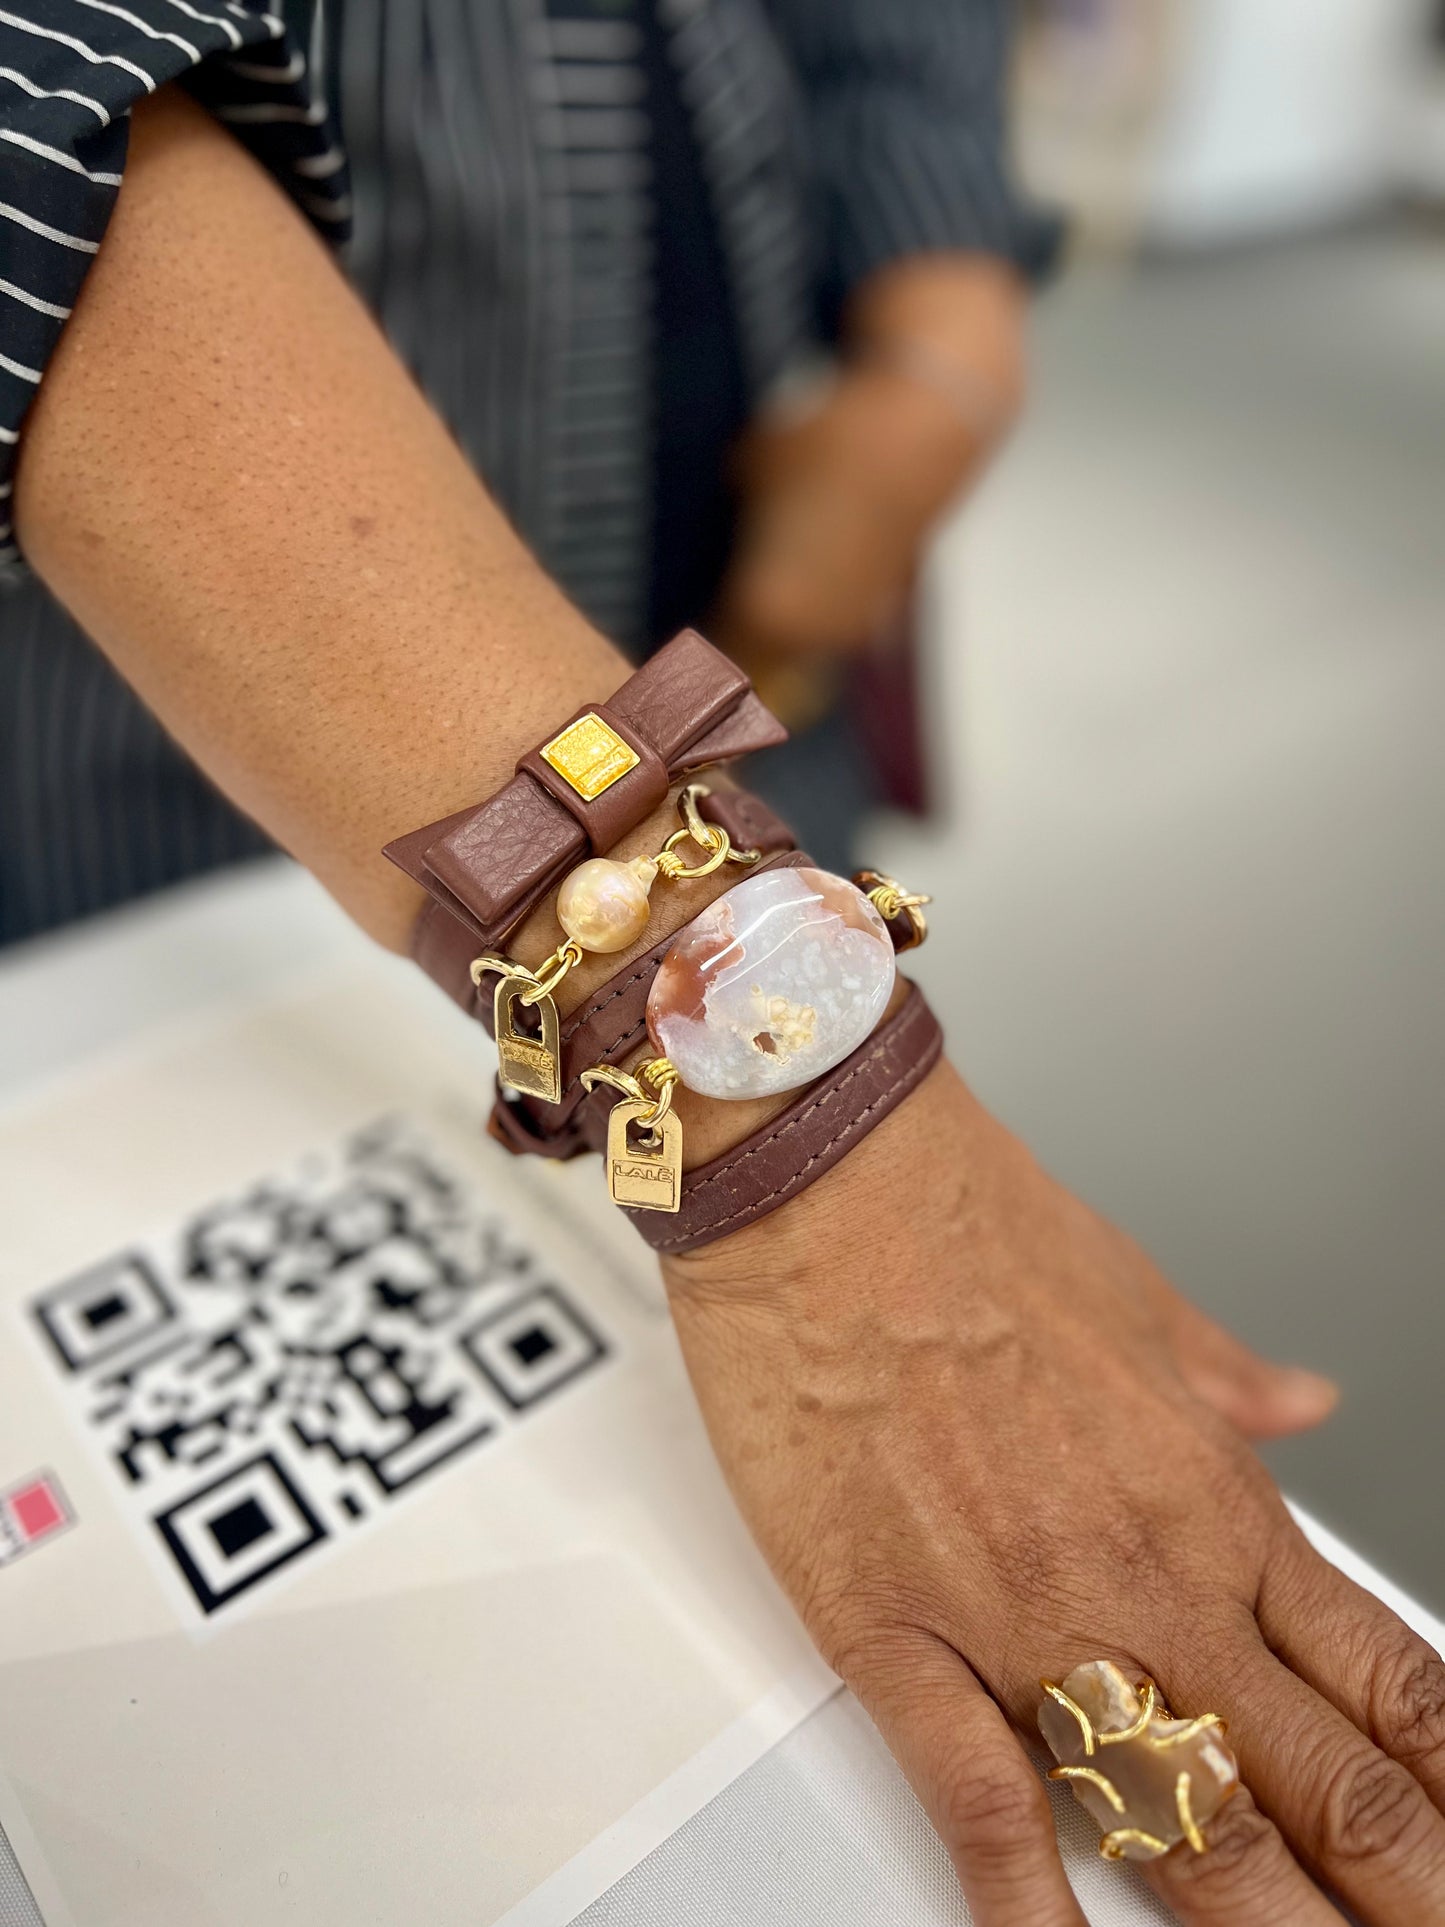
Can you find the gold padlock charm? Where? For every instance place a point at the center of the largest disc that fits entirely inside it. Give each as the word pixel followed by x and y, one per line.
pixel 646 1175
pixel 527 1061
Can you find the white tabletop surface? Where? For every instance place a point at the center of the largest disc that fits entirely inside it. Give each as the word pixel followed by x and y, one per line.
pixel 553 1683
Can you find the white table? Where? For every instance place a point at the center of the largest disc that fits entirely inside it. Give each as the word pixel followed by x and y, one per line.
pixel 550 1680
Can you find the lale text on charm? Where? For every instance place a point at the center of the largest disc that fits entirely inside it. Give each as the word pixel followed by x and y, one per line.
pixel 644 1170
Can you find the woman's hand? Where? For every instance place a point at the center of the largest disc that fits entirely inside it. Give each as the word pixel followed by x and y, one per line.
pixel 981 1439
pixel 838 500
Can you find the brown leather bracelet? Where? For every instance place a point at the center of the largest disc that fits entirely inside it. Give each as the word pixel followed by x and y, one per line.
pixel 445 944
pixel 597 778
pixel 815 1131
pixel 606 1028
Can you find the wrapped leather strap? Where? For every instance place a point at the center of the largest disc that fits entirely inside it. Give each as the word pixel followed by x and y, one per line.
pixel 816 1130
pixel 685 708
pixel 444 942
pixel 611 1024
pixel 604 1029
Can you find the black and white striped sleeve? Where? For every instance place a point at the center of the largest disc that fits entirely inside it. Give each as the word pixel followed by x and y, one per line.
pixel 907 124
pixel 70 72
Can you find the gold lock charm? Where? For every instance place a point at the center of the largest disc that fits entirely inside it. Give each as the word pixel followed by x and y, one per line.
pixel 644 1173
pixel 527 1061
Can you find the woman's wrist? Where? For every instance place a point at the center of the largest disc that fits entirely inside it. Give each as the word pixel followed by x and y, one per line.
pixel 834 1239
pixel 966 311
pixel 774 996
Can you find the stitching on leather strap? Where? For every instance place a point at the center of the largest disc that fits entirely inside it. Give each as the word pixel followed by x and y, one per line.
pixel 618 987
pixel 911 1075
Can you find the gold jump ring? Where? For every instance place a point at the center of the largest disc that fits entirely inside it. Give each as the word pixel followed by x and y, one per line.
pixel 659 1097
pixel 703 833
pixel 550 973
pixel 503 967
pixel 719 848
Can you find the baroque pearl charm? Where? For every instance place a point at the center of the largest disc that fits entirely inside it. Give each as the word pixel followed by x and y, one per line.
pixel 772 985
pixel 603 904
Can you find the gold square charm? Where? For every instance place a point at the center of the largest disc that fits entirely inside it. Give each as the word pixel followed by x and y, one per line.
pixel 649 1178
pixel 590 756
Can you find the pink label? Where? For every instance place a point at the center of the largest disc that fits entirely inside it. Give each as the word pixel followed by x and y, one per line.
pixel 30 1512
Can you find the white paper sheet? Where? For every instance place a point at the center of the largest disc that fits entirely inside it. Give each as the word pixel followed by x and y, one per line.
pixel 434 1716
pixel 551 1675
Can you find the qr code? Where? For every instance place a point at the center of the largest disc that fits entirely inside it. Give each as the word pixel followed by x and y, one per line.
pixel 267 1376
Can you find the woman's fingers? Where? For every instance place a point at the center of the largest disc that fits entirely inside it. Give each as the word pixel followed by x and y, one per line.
pixel 973 1777
pixel 1358 1819
pixel 1265 1400
pixel 1355 1652
pixel 1248 1874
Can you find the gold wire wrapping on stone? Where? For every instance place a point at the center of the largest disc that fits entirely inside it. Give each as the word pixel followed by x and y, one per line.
pixel 1186 1815
pixel 1086 1725
pixel 1101 1780
pixel 1093 1739
pixel 1112 1846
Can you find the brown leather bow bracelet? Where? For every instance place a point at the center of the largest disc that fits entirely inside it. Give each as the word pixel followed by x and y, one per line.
pixel 778 987
pixel 687 708
pixel 584 788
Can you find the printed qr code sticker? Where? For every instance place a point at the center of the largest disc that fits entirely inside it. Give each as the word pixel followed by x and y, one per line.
pixel 268 1375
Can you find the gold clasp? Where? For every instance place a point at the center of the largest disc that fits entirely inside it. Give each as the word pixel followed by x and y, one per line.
pixel 891 900
pixel 711 838
pixel 550 972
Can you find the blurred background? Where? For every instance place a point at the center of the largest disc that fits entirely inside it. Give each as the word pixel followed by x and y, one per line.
pixel 1188 646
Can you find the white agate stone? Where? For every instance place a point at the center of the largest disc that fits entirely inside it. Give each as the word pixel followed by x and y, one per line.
pixel 772 985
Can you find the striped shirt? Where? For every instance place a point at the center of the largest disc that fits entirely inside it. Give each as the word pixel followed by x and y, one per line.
pixel 526 191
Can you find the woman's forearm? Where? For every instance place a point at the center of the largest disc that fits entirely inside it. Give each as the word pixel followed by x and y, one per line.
pixel 237 490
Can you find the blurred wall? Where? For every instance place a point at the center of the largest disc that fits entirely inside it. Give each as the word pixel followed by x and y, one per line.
pixel 1281 114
